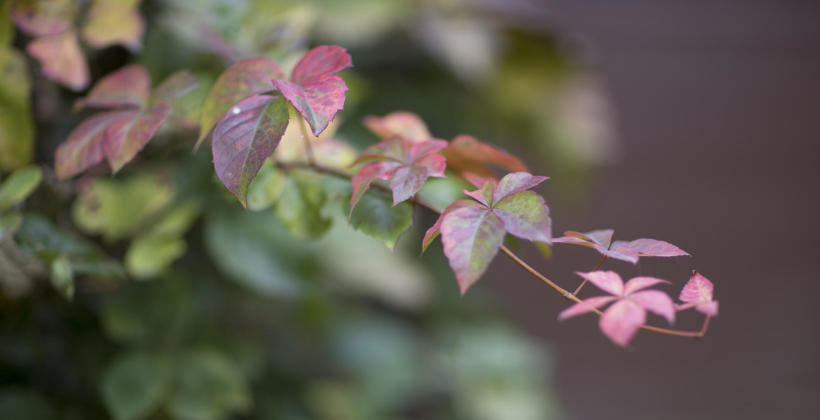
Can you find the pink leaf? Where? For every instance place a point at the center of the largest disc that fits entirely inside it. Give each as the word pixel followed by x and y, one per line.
pixel 621 321
pixel 406 181
pixel 608 281
pixel 640 283
pixel 651 248
pixel 399 124
pixel 126 137
pixel 471 236
pixel 244 139
pixel 622 253
pixel 700 291
pixel 128 86
pixel 657 302
pixel 85 144
pixel 485 194
pixel 41 18
pixel 314 89
pixel 434 230
pixel 242 80
pixel 61 59
pixel 516 182
pixel 584 306
pixel 466 154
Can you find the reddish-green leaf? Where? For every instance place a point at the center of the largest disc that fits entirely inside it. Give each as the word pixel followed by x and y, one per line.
pixel 85 144
pixel 42 18
pixel 525 215
pixel 125 138
pixel 244 138
pixel 466 155
pixel 242 80
pixel 128 86
pixel 175 86
pixel 471 236
pixel 61 59
pixel 314 89
pixel 398 124
pixel 435 230
pixel 406 164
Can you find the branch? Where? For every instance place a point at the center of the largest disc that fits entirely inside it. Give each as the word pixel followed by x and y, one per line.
pixel 563 292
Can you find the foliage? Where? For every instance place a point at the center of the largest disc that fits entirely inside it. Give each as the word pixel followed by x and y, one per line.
pixel 317 321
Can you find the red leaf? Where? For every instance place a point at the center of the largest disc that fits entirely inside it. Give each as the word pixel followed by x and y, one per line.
pixel 398 124
pixel 245 138
pixel 434 230
pixel 128 86
pixel 471 236
pixel 465 154
pixel 242 80
pixel 61 59
pixel 85 144
pixel 314 90
pixel 516 182
pixel 126 137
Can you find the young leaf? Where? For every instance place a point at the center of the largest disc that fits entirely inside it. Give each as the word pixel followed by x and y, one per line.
pixel 314 89
pixel 500 207
pixel 62 276
pixel 17 187
pixel 128 86
pixel 134 385
pixel 398 124
pixel 621 250
pixel 407 165
pixel 244 139
pixel 61 59
pixel 114 22
pixel 467 155
pixel 622 319
pixel 242 80
pixel 698 291
pixel 376 217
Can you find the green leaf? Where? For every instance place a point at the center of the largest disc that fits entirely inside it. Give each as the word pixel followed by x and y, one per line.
pixel 177 221
pixel 117 209
pixel 153 313
pixel 149 256
pixel 266 188
pixel 18 403
pixel 208 386
pixel 375 216
pixel 247 247
pixel 300 206
pixel 62 276
pixel 134 384
pixel 16 123
pixel 17 187
pixel 10 223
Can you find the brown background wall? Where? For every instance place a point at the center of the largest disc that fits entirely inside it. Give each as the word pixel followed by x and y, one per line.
pixel 718 110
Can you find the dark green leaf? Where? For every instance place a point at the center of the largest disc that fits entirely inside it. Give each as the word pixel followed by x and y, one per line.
pixel 134 384
pixel 376 216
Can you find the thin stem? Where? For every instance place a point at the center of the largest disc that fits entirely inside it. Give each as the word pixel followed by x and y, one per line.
pixel 306 138
pixel 563 292
pixel 597 266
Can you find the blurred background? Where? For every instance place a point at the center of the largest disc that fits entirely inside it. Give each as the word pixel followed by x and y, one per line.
pixel 691 122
